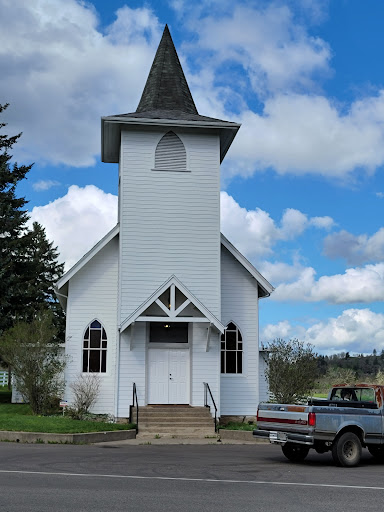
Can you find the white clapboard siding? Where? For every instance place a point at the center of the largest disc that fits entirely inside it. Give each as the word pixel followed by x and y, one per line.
pixel 240 393
pixel 93 295
pixel 205 366
pixel 169 221
pixel 132 368
pixel 170 153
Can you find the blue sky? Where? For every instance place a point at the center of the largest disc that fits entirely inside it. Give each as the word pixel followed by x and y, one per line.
pixel 302 186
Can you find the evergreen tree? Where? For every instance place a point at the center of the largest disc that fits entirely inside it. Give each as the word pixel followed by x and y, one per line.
pixel 41 271
pixel 13 217
pixel 28 261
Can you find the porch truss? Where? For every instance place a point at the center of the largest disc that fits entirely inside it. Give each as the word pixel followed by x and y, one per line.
pixel 173 302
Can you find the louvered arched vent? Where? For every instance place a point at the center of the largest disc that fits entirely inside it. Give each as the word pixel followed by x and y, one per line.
pixel 170 154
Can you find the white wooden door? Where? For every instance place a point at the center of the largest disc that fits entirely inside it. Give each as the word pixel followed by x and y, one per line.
pixel 158 377
pixel 168 379
pixel 178 376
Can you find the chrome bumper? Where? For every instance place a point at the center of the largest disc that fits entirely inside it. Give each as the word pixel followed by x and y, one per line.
pixel 278 437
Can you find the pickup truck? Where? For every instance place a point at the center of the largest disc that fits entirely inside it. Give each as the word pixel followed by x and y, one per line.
pixel 348 420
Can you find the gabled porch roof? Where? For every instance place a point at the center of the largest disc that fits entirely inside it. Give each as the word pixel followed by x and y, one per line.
pixel 172 312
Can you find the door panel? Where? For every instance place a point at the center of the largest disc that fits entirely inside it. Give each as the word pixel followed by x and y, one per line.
pixel 158 377
pixel 178 377
pixel 168 380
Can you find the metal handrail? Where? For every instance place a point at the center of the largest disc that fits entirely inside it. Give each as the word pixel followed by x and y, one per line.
pixel 206 390
pixel 134 398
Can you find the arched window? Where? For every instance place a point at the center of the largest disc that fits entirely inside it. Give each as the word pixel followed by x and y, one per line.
pixel 231 350
pixel 170 154
pixel 95 348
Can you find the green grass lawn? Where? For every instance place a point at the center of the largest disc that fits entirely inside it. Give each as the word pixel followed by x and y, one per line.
pixel 19 417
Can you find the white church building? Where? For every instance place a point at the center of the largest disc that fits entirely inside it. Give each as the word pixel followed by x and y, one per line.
pixel 164 302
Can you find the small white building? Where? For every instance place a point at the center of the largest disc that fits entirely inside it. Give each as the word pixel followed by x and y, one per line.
pixel 164 301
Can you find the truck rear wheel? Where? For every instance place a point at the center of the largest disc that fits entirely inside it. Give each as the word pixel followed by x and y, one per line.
pixel 295 452
pixel 346 450
pixel 377 451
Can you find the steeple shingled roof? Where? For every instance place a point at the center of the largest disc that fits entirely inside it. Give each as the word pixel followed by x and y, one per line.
pixel 166 87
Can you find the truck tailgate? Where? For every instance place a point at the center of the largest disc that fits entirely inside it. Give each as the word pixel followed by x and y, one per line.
pixel 283 417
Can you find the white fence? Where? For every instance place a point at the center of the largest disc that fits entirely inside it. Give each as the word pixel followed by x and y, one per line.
pixel 3 378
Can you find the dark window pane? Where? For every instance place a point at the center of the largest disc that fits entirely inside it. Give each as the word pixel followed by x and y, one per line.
pixel 104 335
pixel 86 343
pixel 231 327
pixel 104 343
pixel 222 345
pixel 94 360
pixel 231 362
pixel 231 340
pixel 240 346
pixel 239 336
pixel 223 336
pixel 85 360
pixel 95 338
pixel 103 360
pixel 168 332
pixel 86 335
pixel 239 362
pixel 223 362
pixel 95 325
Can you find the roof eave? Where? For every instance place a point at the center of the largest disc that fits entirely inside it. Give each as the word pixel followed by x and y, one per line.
pixel 111 129
pixel 88 256
pixel 264 285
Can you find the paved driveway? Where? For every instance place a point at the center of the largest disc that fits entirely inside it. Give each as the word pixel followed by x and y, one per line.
pixel 196 478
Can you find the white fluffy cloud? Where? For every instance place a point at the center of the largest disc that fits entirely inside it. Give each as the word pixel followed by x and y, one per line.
pixel 301 134
pixel 254 232
pixel 60 74
pixel 44 185
pixel 355 249
pixel 277 53
pixel 77 221
pixel 360 284
pixel 355 330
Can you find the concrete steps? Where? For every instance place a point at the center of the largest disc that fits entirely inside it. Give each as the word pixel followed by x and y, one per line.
pixel 175 421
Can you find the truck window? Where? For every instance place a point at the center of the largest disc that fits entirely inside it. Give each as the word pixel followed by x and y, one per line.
pixel 365 394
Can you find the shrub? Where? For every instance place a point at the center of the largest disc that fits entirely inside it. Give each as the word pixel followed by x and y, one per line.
pixel 85 391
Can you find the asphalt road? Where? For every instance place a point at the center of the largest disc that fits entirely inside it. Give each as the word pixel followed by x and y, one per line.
pixel 198 478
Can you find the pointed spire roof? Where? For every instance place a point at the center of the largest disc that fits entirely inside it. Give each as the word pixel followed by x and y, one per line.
pixel 166 87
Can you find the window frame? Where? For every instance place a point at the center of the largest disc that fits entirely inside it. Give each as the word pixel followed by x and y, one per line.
pixel 238 350
pixel 87 349
pixel 167 169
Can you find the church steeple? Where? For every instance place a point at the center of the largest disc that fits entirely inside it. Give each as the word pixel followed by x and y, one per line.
pixel 166 87
pixel 166 102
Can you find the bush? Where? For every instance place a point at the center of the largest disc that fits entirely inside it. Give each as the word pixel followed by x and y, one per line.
pixel 36 362
pixel 291 370
pixel 85 391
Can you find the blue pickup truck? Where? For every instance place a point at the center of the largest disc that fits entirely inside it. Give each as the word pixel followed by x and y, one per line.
pixel 351 418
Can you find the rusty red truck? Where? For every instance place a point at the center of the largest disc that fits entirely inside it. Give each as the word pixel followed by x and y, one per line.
pixel 351 418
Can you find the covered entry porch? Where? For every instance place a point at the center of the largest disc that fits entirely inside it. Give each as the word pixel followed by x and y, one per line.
pixel 169 348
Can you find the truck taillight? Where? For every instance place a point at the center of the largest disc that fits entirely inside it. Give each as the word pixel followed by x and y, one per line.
pixel 257 415
pixel 311 419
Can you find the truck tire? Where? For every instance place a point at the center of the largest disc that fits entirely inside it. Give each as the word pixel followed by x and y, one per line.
pixel 377 451
pixel 346 450
pixel 295 452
